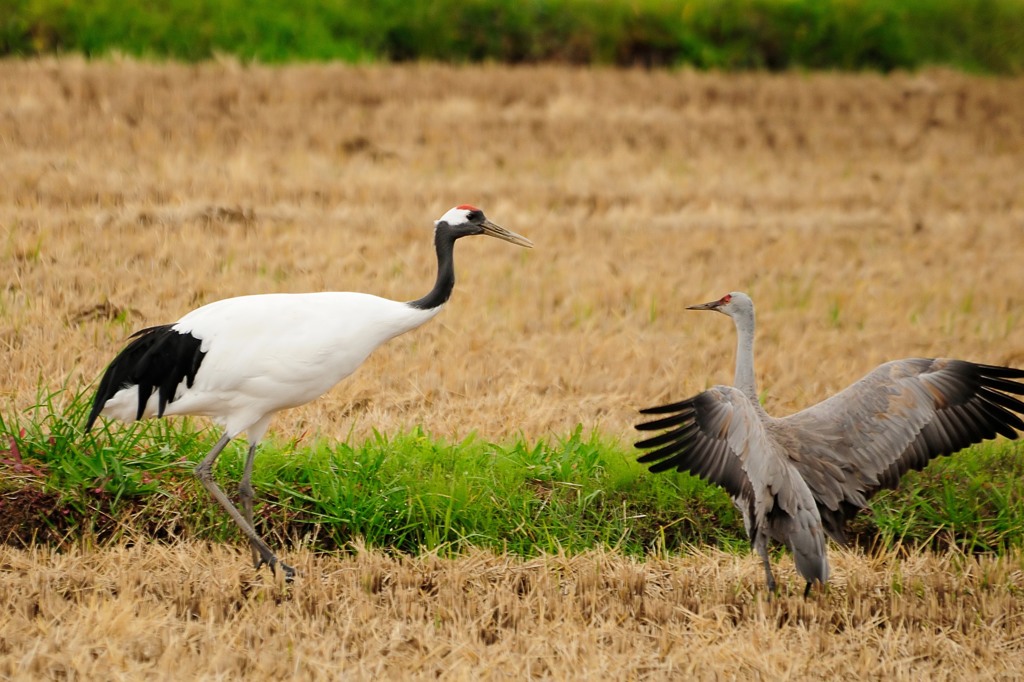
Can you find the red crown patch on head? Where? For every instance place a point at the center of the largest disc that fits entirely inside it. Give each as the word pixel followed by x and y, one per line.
pixel 467 207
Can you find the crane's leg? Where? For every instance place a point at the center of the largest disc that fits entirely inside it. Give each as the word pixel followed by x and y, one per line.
pixel 204 472
pixel 761 545
pixel 245 492
pixel 807 590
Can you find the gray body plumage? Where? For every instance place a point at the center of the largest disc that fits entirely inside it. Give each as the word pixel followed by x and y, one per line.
pixel 798 478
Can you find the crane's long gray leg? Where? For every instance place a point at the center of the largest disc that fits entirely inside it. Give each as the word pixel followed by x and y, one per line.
pixel 761 545
pixel 245 492
pixel 204 472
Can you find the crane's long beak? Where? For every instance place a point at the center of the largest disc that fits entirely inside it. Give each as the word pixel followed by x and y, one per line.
pixel 711 305
pixel 493 230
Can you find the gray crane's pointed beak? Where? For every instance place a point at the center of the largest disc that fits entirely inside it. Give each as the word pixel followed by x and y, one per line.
pixel 493 230
pixel 711 305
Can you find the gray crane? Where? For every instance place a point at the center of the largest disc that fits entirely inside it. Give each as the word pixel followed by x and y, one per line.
pixel 797 478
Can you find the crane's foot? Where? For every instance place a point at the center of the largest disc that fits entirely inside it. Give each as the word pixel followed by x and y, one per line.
pixel 289 572
pixel 274 563
pixel 257 558
pixel 822 591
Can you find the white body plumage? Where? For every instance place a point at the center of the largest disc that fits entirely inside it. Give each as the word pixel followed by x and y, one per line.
pixel 269 352
pixel 241 360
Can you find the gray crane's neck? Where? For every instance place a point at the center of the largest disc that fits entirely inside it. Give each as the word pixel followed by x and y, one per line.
pixel 744 379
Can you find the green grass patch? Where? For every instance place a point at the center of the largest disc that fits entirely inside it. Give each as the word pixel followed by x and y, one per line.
pixel 413 492
pixel 973 500
pixel 979 35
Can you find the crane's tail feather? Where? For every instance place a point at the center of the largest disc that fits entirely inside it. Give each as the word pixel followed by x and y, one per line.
pixel 157 359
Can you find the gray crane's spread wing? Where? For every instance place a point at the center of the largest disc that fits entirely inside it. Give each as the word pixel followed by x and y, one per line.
pixel 897 418
pixel 708 435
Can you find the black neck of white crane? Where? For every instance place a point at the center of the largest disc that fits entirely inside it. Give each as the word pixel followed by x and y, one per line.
pixel 444 244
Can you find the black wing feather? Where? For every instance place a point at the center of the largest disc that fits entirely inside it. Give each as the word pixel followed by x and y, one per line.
pixel 662 409
pixel 157 359
pixel 693 445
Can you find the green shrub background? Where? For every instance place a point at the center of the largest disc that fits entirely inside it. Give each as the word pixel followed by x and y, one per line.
pixel 976 35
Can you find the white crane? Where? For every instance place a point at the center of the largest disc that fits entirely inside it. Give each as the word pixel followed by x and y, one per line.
pixel 240 360
pixel 800 477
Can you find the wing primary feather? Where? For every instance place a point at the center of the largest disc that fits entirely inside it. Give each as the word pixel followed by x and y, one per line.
pixel 666 465
pixel 1006 385
pixel 1007 401
pixel 1000 407
pixel 967 427
pixel 669 436
pixel 666 422
pixel 669 451
pixel 960 434
pixel 1001 419
pixel 671 407
pixel 979 419
pixel 1000 371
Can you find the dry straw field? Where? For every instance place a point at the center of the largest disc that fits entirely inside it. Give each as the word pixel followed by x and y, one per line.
pixel 870 217
pixel 152 612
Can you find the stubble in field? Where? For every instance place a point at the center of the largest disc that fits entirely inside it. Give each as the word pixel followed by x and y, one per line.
pixel 173 613
pixel 870 217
